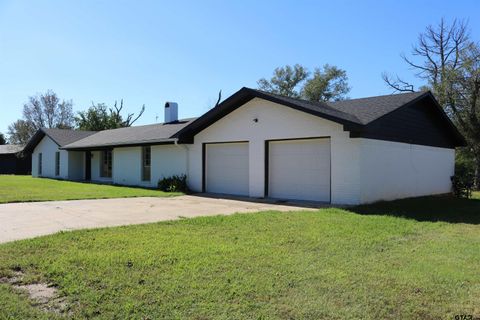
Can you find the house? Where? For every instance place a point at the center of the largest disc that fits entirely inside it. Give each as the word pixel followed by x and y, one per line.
pixel 259 144
pixel 49 160
pixel 13 160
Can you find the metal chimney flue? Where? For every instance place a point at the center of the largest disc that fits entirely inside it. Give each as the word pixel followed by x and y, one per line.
pixel 171 112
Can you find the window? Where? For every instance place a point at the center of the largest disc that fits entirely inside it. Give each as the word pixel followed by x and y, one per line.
pixel 146 163
pixel 40 164
pixel 57 163
pixel 106 164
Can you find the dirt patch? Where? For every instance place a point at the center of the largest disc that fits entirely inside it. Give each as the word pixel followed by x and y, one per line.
pixel 39 292
pixel 43 295
pixel 15 278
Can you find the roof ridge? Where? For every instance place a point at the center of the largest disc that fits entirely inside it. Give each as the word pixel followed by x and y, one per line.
pixel 329 102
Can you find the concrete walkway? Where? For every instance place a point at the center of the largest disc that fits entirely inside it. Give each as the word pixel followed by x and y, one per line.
pixel 28 220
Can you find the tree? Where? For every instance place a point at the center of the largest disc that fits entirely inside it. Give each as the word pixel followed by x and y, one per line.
pixel 329 83
pixel 47 111
pixel 100 117
pixel 2 139
pixel 20 132
pixel 285 81
pixel 95 118
pixel 42 111
pixel 449 62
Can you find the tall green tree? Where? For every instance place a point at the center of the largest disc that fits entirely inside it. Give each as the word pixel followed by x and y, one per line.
pixel 2 139
pixel 101 117
pixel 448 61
pixel 328 83
pixel 286 81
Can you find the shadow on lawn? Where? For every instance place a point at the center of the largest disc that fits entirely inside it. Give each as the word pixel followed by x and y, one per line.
pixel 436 208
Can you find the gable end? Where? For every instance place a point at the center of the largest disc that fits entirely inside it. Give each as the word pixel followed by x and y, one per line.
pixel 421 122
pixel 244 95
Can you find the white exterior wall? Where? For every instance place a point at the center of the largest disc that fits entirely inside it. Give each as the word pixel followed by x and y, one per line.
pixel 392 170
pixel 280 122
pixel 167 160
pixel 48 148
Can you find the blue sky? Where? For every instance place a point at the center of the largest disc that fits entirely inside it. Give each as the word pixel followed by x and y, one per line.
pixel 148 52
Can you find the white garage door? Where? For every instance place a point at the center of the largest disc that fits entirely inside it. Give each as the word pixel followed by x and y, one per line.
pixel 226 168
pixel 299 169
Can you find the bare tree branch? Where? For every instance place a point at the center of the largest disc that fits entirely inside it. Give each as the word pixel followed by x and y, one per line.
pixel 219 98
pixel 131 122
pixel 446 58
pixel 397 84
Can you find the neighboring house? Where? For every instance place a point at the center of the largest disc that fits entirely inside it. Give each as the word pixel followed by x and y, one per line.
pixel 48 160
pixel 260 145
pixel 13 160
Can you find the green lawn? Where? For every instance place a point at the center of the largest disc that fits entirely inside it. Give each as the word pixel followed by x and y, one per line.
pixel 26 188
pixel 326 264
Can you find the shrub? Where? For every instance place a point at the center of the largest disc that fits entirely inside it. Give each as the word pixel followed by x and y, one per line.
pixel 462 181
pixel 176 183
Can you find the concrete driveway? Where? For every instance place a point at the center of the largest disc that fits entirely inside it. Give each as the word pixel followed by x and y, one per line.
pixel 28 220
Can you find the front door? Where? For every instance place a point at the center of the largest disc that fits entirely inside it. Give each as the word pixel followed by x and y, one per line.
pixel 88 166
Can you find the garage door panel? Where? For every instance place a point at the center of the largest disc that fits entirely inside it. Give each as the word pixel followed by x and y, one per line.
pixel 227 168
pixel 300 169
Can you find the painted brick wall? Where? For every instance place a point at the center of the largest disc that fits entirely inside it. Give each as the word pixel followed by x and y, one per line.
pixel 279 122
pixel 393 170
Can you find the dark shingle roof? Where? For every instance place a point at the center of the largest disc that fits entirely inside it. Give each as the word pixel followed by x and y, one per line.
pixel 356 115
pixel 309 105
pixel 10 148
pixel 59 136
pixel 65 136
pixel 153 133
pixel 361 111
pixel 369 109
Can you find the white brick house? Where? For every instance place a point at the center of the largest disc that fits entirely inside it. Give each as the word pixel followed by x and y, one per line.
pixel 260 145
